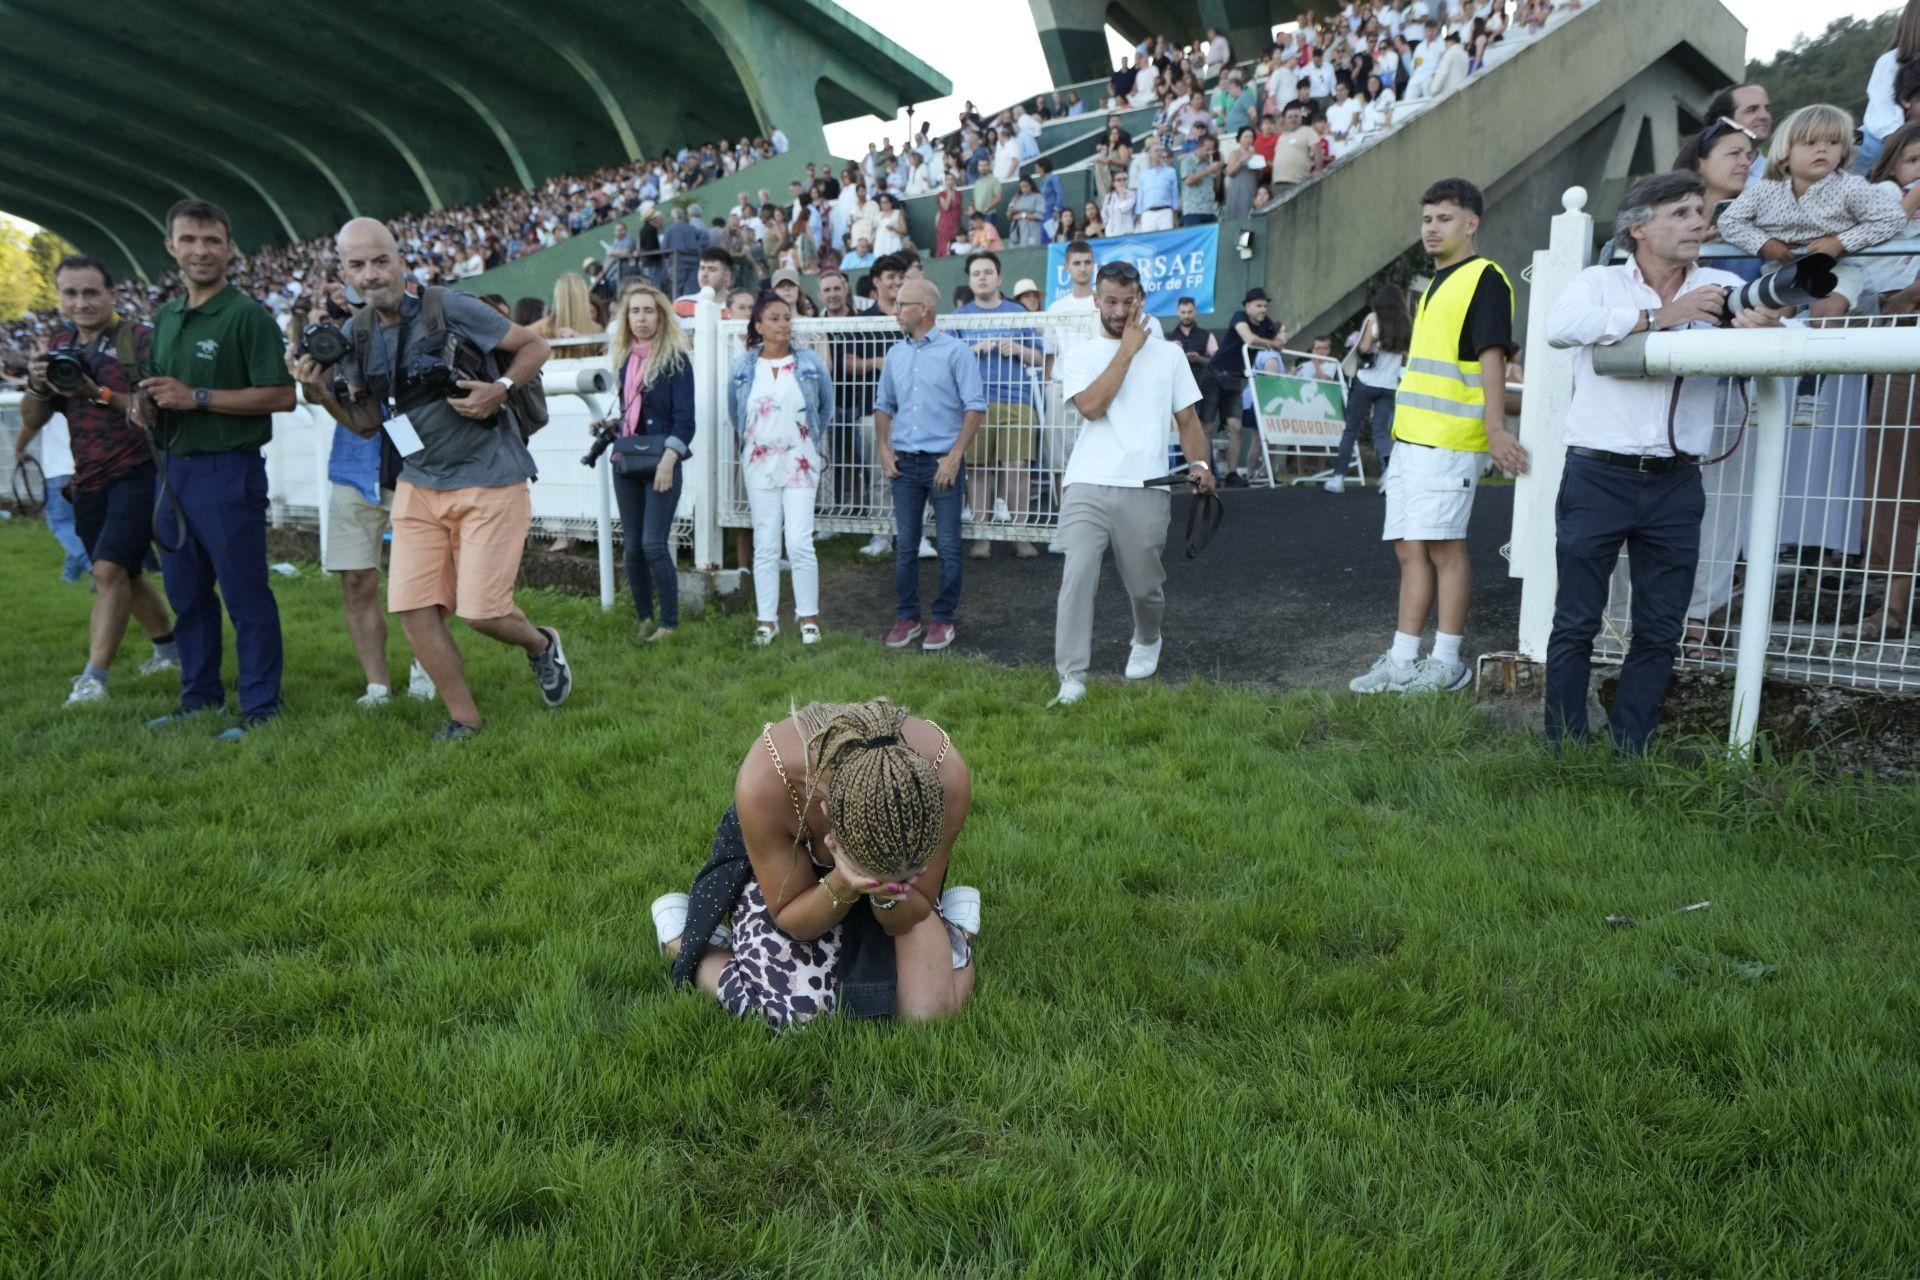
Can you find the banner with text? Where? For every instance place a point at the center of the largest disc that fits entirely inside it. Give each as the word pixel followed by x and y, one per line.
pixel 1299 411
pixel 1172 264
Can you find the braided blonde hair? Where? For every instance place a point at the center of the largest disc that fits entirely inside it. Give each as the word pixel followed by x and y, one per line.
pixel 888 807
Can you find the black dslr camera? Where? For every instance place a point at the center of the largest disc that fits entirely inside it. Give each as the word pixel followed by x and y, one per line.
pixel 67 368
pixel 604 432
pixel 324 342
pixel 427 374
pixel 1798 284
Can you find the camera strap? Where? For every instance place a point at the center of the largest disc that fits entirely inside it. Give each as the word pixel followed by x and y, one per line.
pixel 1673 411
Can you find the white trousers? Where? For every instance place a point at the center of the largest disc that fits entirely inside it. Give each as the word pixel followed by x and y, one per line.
pixel 789 512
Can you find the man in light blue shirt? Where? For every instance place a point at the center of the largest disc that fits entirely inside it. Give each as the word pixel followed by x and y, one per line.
pixel 1158 196
pixel 926 410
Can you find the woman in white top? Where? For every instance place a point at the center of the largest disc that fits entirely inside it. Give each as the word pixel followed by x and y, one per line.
pixel 1377 115
pixel 919 176
pixel 890 234
pixel 1382 348
pixel 1006 157
pixel 781 399
pixel 1116 211
pixel 1884 114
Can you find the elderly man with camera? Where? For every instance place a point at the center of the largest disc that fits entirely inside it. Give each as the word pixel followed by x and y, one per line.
pixel 1635 447
pixel 425 369
pixel 87 374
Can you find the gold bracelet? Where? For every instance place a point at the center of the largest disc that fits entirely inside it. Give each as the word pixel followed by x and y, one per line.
pixel 834 897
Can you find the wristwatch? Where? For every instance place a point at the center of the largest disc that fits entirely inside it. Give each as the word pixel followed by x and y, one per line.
pixel 1204 466
pixel 105 398
pixel 1653 320
pixel 202 398
pixel 505 381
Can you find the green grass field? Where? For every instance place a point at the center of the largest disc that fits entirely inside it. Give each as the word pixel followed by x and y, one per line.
pixel 1268 987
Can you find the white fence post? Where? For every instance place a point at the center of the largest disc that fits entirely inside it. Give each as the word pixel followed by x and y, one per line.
pixel 709 382
pixel 603 476
pixel 1547 393
pixel 1772 402
pixel 322 452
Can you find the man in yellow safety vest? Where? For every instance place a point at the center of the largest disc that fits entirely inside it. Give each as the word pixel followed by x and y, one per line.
pixel 1449 415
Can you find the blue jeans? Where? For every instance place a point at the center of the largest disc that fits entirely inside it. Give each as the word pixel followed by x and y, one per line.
pixel 224 545
pixel 912 490
pixel 1657 517
pixel 646 521
pixel 1198 219
pixel 60 522
pixel 1363 402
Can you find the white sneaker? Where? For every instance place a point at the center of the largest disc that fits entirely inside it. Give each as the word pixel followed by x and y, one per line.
pixel 927 552
pixel 809 633
pixel 1144 660
pixel 1806 409
pixel 670 921
pixel 1385 676
pixel 420 684
pixel 1071 691
pixel 1055 547
pixel 157 663
pixel 1436 675
pixel 87 688
pixel 375 696
pixel 960 905
pixel 1334 484
pixel 824 535
pixel 1000 512
pixel 878 545
pixel 764 632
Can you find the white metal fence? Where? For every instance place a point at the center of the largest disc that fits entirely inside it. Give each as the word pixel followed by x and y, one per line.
pixel 1808 545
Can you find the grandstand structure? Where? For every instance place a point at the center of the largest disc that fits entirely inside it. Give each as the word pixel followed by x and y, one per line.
pixel 297 116
pixel 1073 32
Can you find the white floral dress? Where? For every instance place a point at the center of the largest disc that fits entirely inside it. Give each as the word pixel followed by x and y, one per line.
pixel 777 448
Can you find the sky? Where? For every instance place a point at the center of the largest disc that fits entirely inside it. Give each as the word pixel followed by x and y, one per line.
pixel 994 57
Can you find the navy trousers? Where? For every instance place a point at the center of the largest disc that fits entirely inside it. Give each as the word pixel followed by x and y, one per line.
pixel 224 546
pixel 1656 516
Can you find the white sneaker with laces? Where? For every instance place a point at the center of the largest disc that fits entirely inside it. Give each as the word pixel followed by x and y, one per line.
pixel 670 921
pixel 375 696
pixel 420 684
pixel 86 689
pixel 878 545
pixel 1334 484
pixel 927 552
pixel 960 906
pixel 1071 691
pixel 1385 676
pixel 157 663
pixel 1806 410
pixel 1437 675
pixel 1144 660
pixel 809 633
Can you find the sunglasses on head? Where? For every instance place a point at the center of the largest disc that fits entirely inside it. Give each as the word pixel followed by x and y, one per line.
pixel 1125 272
pixel 1726 124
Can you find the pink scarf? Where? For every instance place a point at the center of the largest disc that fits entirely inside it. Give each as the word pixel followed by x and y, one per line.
pixel 635 386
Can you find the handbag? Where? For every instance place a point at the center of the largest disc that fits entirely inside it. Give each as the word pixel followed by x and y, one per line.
pixel 636 455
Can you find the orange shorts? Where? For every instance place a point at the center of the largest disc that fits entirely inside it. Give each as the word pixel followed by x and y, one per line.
pixel 457 548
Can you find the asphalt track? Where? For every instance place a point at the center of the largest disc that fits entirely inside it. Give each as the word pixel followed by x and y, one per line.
pixel 1297 591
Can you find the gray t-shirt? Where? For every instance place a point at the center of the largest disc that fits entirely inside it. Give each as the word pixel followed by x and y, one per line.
pixel 460 453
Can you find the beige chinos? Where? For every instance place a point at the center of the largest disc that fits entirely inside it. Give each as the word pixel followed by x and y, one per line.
pixel 1133 522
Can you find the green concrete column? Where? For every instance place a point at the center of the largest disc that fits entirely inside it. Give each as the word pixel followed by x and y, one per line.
pixel 1074 38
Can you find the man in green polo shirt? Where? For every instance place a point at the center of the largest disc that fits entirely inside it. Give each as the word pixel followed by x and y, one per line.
pixel 219 376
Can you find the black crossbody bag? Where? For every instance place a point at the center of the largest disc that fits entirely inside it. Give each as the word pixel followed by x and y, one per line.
pixel 635 455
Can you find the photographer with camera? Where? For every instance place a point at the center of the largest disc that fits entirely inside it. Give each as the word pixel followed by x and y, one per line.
pixel 423 370
pixel 219 376
pixel 361 473
pixel 1635 447
pixel 87 375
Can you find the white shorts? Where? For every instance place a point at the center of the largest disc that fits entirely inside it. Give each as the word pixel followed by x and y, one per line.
pixel 355 528
pixel 1429 492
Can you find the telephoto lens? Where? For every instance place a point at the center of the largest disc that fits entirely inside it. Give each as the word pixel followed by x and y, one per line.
pixel 1797 284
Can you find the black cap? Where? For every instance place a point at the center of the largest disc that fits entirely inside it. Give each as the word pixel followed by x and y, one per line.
pixel 1255 295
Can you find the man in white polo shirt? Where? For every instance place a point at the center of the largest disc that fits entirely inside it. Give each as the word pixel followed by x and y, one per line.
pixel 1129 389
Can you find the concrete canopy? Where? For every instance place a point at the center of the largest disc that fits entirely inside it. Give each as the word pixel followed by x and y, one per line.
pixel 298 115
pixel 1073 32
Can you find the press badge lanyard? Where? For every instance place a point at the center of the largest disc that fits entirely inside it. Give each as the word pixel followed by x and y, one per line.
pixel 399 428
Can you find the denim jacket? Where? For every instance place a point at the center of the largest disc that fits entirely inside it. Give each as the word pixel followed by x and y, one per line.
pixel 814 378
pixel 666 407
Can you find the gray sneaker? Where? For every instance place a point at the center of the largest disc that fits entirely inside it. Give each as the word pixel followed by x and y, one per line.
pixel 1385 676
pixel 551 670
pixel 1435 675
pixel 87 689
pixel 159 662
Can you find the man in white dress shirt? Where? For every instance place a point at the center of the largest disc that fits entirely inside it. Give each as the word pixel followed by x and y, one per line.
pixel 1633 458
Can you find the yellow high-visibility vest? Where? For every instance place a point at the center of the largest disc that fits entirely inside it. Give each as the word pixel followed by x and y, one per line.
pixel 1440 401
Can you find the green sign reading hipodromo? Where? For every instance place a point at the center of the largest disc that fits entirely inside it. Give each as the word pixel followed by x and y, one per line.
pixel 1304 410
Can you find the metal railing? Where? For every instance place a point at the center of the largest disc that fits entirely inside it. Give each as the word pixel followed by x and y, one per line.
pixel 1808 543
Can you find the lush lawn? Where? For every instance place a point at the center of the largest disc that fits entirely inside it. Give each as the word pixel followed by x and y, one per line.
pixel 1268 987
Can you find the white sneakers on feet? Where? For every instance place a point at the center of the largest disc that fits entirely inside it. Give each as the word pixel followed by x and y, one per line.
pixel 878 545
pixel 87 689
pixel 1071 691
pixel 764 632
pixel 1334 484
pixel 809 633
pixel 670 921
pixel 927 552
pixel 376 695
pixel 1144 660
pixel 1437 675
pixel 1385 676
pixel 960 906
pixel 157 663
pixel 420 684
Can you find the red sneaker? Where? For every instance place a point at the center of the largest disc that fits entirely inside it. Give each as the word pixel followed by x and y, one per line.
pixel 904 633
pixel 939 636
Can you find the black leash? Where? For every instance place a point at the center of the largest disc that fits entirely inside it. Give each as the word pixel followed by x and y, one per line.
pixel 23 487
pixel 1203 517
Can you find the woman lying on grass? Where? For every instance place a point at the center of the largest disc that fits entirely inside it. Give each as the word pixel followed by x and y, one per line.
pixel 827 870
